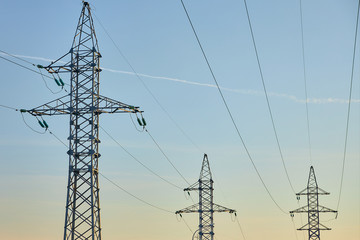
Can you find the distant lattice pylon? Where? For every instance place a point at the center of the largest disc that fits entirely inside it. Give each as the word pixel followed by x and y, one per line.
pixel 313 209
pixel 205 207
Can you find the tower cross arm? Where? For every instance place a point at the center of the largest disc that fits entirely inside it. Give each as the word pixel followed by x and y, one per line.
pixel 195 208
pixel 194 187
pixel 322 192
pixel 61 106
pixel 300 210
pixel 218 208
pixel 108 105
pixel 319 192
pixel 325 209
pixel 191 209
pixel 306 227
pixel 303 192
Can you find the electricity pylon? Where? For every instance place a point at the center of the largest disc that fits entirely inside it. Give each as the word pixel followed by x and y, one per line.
pixel 313 208
pixel 205 207
pixel 84 104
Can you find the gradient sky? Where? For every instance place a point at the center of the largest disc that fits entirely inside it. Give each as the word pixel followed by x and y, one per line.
pixel 157 40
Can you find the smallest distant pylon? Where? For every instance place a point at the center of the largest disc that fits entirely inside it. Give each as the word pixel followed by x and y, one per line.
pixel 313 209
pixel 206 207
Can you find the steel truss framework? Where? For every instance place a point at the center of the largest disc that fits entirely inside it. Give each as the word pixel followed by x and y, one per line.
pixel 205 207
pixel 84 104
pixel 313 209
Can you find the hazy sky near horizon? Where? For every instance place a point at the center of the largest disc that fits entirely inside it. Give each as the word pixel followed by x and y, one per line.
pixel 157 40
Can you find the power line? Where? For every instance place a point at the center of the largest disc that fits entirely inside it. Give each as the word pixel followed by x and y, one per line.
pixel 14 56
pixel 42 76
pixel 349 107
pixel 187 225
pixel 137 160
pixel 58 138
pixel 147 88
pixel 228 110
pixel 267 97
pixel 139 199
pixel 20 65
pixel 40 73
pixel 167 158
pixel 132 120
pixel 301 221
pixel 227 203
pixel 305 80
pixel 112 182
pixel 22 116
pixel 241 230
pixel 292 219
pixel 118 186
pixel 4 106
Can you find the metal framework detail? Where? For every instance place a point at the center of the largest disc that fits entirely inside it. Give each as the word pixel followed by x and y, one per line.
pixel 313 209
pixel 206 207
pixel 84 104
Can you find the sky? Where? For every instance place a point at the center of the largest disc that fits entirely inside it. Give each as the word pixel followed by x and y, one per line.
pixel 157 39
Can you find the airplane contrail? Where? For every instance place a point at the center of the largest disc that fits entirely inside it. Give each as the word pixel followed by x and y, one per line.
pixel 240 91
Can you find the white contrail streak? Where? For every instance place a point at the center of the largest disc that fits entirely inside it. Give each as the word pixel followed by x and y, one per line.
pixel 240 91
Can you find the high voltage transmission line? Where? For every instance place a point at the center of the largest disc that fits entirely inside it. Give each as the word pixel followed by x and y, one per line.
pixel 267 97
pixel 349 106
pixel 305 78
pixel 147 88
pixel 228 109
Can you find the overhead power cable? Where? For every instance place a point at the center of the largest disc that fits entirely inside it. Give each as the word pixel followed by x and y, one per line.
pixel 20 65
pixel 21 59
pixel 4 106
pixel 138 161
pixel 118 186
pixel 32 70
pixel 58 138
pixel 147 88
pixel 305 80
pixel 292 219
pixel 267 97
pixel 123 189
pixel 228 110
pixel 22 116
pixel 241 230
pixel 112 182
pixel 139 199
pixel 167 158
pixel 349 107
pixel 187 225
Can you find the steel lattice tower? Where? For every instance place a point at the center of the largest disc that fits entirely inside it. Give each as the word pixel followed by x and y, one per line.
pixel 313 209
pixel 84 104
pixel 206 207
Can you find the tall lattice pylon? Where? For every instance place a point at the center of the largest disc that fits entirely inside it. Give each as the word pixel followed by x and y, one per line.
pixel 313 209
pixel 206 207
pixel 84 104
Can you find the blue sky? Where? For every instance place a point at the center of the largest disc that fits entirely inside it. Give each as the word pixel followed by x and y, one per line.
pixel 157 40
